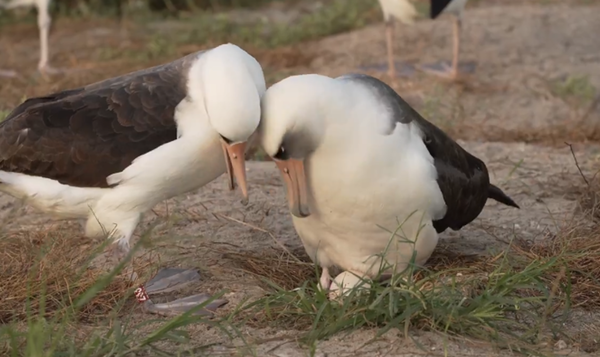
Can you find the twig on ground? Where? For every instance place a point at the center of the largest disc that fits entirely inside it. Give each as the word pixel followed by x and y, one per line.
pixel 577 163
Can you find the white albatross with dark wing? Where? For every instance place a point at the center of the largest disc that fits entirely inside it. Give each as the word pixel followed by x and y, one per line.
pixel 357 160
pixel 110 151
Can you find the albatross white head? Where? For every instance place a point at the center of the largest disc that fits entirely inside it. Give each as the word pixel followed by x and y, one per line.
pixel 230 83
pixel 293 125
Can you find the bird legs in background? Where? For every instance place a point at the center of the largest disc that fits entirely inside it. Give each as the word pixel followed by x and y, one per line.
pixel 43 22
pixel 450 71
pixel 7 73
pixel 389 33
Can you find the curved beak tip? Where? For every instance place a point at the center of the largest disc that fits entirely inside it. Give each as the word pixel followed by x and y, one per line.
pixel 244 201
pixel 301 212
pixel 235 161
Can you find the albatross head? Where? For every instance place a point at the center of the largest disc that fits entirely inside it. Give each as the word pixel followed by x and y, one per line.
pixel 294 119
pixel 231 84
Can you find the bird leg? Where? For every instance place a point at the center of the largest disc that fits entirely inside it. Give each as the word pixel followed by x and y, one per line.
pixel 389 35
pixel 456 48
pixel 325 280
pixel 450 71
pixel 345 282
pixel 44 22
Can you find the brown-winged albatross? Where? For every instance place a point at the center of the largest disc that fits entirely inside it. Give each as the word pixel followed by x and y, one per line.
pixel 43 22
pixel 110 151
pixel 357 161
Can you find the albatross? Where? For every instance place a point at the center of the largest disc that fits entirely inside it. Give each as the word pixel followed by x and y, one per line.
pixel 358 161
pixel 43 21
pixel 405 12
pixel 110 151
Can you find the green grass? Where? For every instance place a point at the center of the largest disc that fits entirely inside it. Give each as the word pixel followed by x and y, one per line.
pixel 111 8
pixel 4 113
pixel 333 17
pixel 207 28
pixel 115 337
pixel 507 305
pixel 577 89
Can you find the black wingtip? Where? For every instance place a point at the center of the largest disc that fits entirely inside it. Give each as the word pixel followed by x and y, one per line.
pixel 498 195
pixel 437 6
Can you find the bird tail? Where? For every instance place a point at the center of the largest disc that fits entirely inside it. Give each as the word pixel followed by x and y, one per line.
pixel 498 195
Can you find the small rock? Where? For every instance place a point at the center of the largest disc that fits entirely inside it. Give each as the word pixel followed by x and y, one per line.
pixel 560 345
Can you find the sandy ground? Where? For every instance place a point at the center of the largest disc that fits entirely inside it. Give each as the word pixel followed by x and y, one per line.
pixel 519 52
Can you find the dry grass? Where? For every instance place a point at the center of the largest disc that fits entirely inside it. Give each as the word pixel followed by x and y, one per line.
pixel 582 259
pixel 590 199
pixel 46 272
pixel 276 266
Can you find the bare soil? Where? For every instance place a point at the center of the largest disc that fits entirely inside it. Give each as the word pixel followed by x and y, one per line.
pixel 519 50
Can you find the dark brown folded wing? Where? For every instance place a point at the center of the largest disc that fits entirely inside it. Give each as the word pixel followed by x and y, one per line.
pixel 81 136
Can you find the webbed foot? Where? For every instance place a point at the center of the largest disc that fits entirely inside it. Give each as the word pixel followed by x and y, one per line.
pixel 344 283
pixel 8 73
pixel 446 70
pixel 173 279
pixel 185 304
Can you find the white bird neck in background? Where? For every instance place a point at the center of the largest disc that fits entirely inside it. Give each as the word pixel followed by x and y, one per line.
pixel 362 182
pixel 402 10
